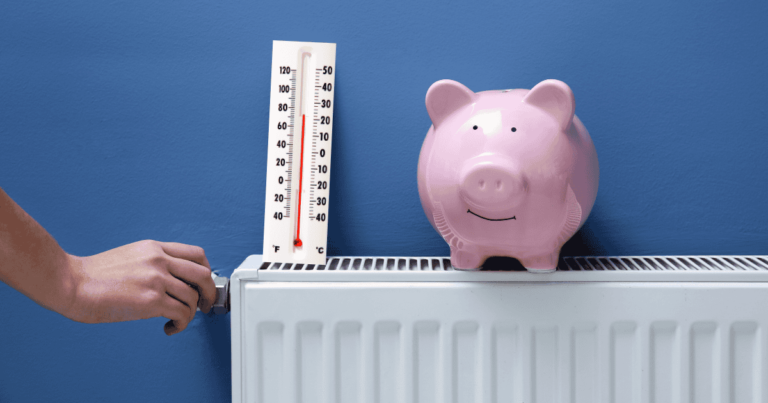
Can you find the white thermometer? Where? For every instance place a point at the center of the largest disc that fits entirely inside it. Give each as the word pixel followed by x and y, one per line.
pixel 299 152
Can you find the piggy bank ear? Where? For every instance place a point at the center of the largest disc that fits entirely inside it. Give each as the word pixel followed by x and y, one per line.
pixel 554 97
pixel 445 97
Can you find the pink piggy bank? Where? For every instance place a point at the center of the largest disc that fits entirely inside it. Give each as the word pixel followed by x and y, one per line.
pixel 506 173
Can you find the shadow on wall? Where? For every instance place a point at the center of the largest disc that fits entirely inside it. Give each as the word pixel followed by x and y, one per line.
pixel 584 243
pixel 581 244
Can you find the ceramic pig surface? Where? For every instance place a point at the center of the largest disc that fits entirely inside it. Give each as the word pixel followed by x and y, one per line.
pixel 506 173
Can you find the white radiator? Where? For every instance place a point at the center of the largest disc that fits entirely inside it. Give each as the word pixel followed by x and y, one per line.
pixel 609 329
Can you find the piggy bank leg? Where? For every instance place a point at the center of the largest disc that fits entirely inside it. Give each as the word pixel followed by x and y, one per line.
pixel 465 260
pixel 541 264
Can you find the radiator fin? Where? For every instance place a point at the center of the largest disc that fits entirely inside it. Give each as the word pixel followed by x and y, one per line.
pixel 544 364
pixel 310 359
pixel 705 376
pixel 584 363
pixel 506 381
pixel 664 356
pixel 625 366
pixel 388 370
pixel 568 263
pixel 426 363
pixel 270 360
pixel 466 363
pixel 745 365
pixel 349 364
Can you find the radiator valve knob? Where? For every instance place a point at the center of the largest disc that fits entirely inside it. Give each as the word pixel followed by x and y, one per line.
pixel 221 304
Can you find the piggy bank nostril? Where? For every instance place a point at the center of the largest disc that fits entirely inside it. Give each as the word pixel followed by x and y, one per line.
pixel 498 185
pixel 482 184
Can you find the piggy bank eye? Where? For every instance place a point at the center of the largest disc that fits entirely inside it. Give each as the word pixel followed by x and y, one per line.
pixel 514 129
pixel 474 127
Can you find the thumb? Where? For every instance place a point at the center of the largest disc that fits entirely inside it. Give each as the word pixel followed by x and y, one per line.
pixel 170 328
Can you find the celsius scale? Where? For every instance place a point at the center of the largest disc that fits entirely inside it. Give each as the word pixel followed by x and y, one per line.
pixel 299 152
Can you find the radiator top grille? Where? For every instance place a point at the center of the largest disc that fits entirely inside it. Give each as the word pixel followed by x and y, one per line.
pixel 576 263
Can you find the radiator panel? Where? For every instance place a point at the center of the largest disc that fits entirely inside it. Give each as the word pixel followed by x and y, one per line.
pixel 498 341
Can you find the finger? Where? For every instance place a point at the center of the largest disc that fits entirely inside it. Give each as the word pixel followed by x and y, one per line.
pixel 197 276
pixel 188 252
pixel 177 312
pixel 184 293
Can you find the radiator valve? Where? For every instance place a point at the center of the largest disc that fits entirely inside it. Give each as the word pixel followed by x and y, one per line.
pixel 221 304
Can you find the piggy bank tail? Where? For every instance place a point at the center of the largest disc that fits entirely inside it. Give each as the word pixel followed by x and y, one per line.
pixel 572 218
pixel 445 229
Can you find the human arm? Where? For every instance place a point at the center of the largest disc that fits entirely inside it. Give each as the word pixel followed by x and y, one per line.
pixel 137 281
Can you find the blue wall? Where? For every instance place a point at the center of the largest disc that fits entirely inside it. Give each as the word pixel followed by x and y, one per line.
pixel 127 120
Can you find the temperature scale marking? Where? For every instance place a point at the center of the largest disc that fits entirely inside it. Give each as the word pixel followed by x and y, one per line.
pixel 302 94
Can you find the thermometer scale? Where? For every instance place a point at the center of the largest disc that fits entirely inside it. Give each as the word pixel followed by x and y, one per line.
pixel 299 152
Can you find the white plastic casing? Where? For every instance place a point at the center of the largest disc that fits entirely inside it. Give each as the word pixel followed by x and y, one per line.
pixel 299 152
pixel 680 329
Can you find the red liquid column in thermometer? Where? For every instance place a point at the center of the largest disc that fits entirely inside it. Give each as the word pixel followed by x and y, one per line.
pixel 297 240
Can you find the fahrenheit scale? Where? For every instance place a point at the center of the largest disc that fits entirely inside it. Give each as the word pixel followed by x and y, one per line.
pixel 299 156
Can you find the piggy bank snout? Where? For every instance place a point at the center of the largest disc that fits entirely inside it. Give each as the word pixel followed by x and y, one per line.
pixel 491 185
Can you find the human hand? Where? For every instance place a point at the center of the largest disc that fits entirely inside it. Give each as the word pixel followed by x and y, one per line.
pixel 145 279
